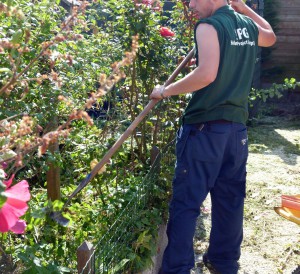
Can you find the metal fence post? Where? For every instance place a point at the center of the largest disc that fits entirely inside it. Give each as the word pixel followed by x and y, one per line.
pixel 85 258
pixel 153 154
pixel 155 158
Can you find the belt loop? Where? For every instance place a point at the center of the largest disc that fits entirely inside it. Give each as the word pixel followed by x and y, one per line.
pixel 201 126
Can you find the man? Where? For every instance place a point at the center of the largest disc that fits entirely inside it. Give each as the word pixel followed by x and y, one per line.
pixel 211 146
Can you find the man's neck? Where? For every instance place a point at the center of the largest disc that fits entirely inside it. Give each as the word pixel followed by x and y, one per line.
pixel 219 4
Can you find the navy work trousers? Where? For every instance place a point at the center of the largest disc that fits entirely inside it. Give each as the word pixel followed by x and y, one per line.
pixel 211 158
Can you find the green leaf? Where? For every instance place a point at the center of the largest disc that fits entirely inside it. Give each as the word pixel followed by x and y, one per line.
pixel 17 37
pixel 7 154
pixel 5 70
pixel 3 198
pixel 64 269
pixel 119 266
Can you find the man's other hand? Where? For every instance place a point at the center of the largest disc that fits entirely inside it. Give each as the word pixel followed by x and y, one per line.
pixel 238 5
pixel 157 92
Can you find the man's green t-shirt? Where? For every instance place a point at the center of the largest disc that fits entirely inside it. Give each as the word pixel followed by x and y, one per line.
pixel 227 97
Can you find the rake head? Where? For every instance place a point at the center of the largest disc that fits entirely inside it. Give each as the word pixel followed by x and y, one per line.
pixel 59 218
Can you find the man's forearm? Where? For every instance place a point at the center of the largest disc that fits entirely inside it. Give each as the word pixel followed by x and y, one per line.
pixel 256 18
pixel 192 82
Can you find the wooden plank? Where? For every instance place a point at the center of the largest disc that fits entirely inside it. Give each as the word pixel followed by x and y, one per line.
pixel 280 78
pixel 283 70
pixel 288 11
pixel 289 3
pixel 288 32
pixel 286 46
pixel 290 25
pixel 286 53
pixel 287 60
pixel 275 64
pixel 293 11
pixel 290 74
pixel 285 56
pixel 288 39
pixel 293 62
pixel 287 17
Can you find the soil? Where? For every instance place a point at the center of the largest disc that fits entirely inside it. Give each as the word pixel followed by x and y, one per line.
pixel 271 243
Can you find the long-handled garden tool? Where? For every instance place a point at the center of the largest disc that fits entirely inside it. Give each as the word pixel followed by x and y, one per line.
pixel 57 216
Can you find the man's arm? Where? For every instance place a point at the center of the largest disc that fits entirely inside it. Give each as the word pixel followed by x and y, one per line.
pixel 207 69
pixel 266 37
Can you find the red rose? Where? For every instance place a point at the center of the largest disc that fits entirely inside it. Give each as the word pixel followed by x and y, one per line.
pixel 166 32
pixel 192 62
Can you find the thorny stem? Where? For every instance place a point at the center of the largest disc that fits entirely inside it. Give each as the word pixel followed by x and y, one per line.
pixel 101 194
pixel 2 251
pixel 29 153
pixel 186 15
pixel 12 117
pixel 10 245
pixel 14 79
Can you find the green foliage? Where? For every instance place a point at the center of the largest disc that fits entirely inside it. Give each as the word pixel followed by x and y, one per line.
pixel 275 91
pixel 259 96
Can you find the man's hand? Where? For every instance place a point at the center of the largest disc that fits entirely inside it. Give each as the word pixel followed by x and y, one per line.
pixel 238 6
pixel 266 36
pixel 157 92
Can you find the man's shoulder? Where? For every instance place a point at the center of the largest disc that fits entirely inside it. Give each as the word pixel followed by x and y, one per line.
pixel 210 20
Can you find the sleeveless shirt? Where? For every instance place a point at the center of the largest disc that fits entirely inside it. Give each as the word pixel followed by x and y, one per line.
pixel 227 97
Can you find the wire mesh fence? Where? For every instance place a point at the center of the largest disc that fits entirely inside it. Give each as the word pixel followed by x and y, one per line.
pixel 126 240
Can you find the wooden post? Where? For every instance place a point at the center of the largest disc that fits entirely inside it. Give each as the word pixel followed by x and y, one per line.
pixel 53 174
pixel 85 258
pixel 53 177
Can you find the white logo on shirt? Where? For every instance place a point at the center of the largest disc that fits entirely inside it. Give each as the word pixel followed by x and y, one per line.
pixel 242 38
pixel 240 33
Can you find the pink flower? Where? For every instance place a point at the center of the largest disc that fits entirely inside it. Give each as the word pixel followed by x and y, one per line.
pixel 153 4
pixel 4 165
pixel 14 206
pixel 166 32
pixel 192 62
pixel 147 2
pixel 19 227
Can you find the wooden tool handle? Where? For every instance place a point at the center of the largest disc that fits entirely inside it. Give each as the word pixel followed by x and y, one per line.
pixel 130 129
